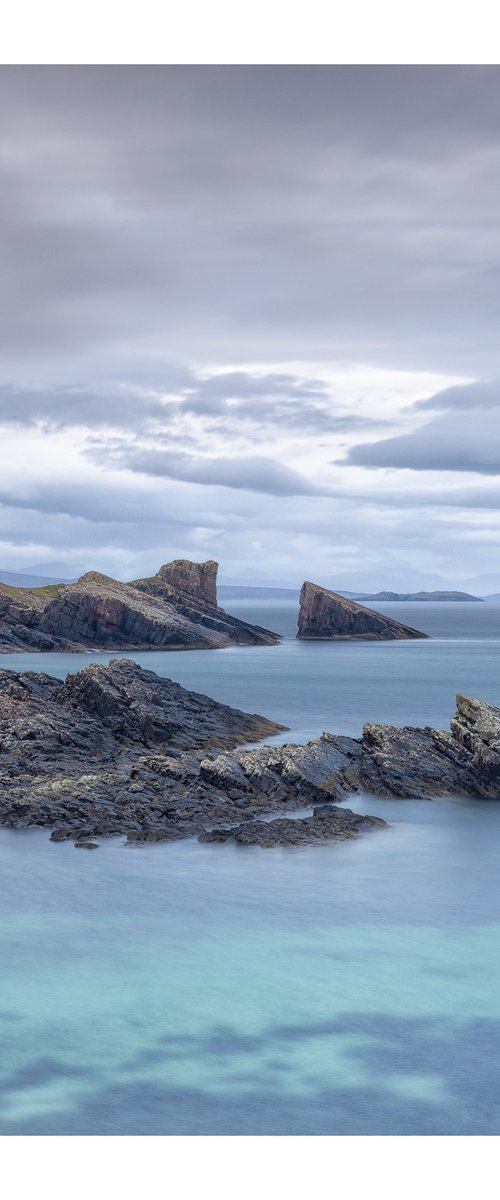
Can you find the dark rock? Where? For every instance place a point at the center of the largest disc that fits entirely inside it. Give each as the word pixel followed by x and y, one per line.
pixel 62 833
pixel 327 824
pixel 86 846
pixel 326 615
pixel 117 750
pixel 476 726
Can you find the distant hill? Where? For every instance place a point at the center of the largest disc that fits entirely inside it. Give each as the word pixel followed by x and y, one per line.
pixel 494 596
pixel 18 579
pixel 460 596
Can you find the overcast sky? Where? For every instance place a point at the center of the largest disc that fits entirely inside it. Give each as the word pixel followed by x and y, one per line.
pixel 251 314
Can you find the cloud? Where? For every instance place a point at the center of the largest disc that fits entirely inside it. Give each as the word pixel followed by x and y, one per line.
pixel 243 473
pixel 471 396
pixel 247 215
pixel 224 398
pixel 72 406
pixel 214 281
pixel 462 440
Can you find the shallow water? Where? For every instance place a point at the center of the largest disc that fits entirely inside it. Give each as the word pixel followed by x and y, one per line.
pixel 213 989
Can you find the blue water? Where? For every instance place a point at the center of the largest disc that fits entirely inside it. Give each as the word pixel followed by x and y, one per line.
pixel 189 989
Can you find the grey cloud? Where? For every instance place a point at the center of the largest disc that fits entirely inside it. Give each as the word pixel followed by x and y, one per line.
pixel 260 401
pixel 66 407
pixel 212 393
pixel 228 215
pixel 480 394
pixel 242 472
pixel 108 502
pixel 283 400
pixel 455 441
pixel 249 214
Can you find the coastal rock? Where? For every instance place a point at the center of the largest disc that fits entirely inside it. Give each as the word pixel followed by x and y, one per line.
pixel 196 581
pixel 174 610
pixel 118 750
pixel 327 824
pixel 476 726
pixel 326 615
pixel 140 707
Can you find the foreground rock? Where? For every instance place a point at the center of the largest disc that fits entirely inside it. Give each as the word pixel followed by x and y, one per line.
pixel 118 750
pixel 324 614
pixel 327 824
pixel 173 610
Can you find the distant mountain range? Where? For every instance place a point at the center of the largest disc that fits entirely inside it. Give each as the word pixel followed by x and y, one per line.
pixel 233 591
pixel 384 596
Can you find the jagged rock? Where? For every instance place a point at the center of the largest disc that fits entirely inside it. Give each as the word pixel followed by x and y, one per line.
pixel 324 614
pixel 139 706
pixel 327 824
pixel 196 581
pixel 477 727
pixel 175 610
pixel 118 750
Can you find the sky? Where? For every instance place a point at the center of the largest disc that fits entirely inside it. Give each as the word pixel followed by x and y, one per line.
pixel 251 314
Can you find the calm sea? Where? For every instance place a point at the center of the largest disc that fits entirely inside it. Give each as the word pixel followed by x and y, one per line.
pixel 188 989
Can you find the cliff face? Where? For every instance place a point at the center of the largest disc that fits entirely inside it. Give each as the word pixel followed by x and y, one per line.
pixel 196 581
pixel 324 614
pixel 176 609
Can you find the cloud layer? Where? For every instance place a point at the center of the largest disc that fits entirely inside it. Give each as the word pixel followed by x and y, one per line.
pixel 251 313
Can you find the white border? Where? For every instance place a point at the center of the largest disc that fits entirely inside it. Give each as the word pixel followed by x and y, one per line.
pixel 265 31
pixel 248 1168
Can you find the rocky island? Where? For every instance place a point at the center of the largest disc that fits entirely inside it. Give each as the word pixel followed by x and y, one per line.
pixel 446 597
pixel 176 609
pixel 117 750
pixel 326 615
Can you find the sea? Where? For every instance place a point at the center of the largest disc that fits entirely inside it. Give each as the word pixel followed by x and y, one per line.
pixel 196 989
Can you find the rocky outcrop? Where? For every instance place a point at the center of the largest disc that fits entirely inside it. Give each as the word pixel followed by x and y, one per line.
pixel 103 613
pixel 196 581
pixel 191 602
pixel 476 727
pixel 118 750
pixel 327 824
pixel 326 615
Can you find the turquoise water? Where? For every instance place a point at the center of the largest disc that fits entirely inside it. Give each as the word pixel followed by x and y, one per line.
pixel 189 989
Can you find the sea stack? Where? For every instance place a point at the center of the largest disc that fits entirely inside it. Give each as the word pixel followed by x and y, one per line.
pixel 326 615
pixel 193 580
